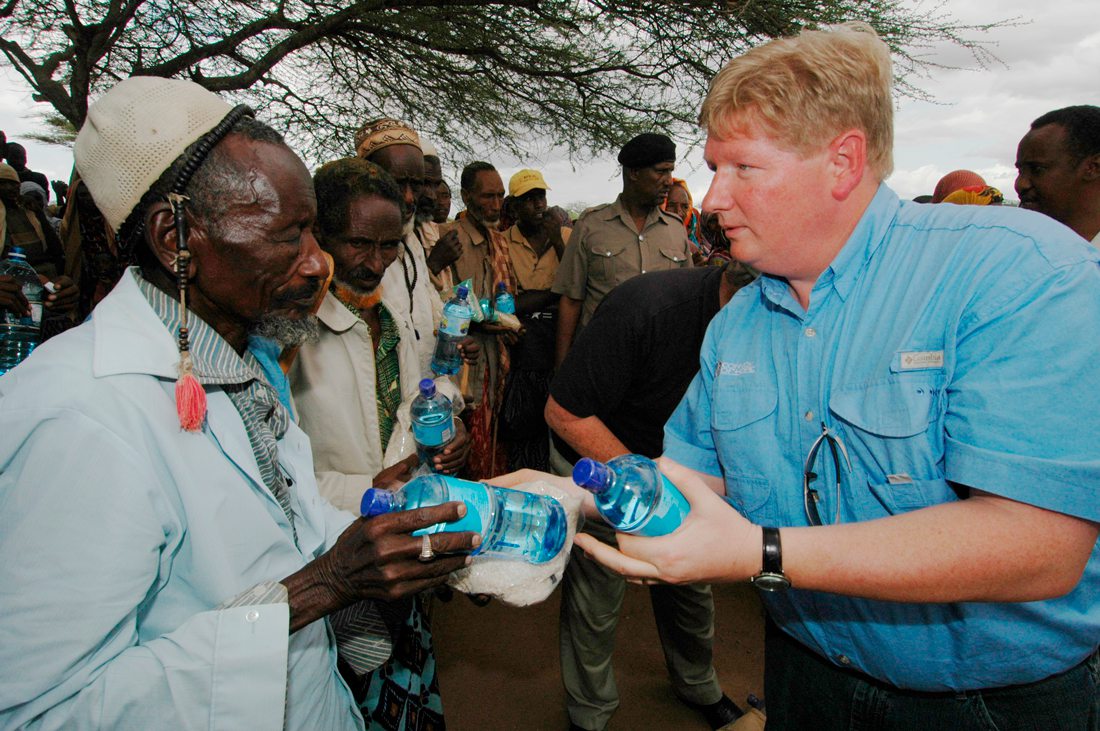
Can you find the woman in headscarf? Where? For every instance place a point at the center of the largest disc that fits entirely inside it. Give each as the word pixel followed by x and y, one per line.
pixel 678 202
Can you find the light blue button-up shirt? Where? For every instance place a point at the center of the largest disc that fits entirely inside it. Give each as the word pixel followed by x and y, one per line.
pixel 944 345
pixel 121 536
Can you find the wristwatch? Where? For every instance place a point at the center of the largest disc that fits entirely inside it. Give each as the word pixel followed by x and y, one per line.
pixel 771 576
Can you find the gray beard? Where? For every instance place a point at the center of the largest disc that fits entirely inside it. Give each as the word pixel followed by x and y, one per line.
pixel 287 331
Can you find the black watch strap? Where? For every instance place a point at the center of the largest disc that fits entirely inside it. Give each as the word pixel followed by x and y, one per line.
pixel 773 552
pixel 771 576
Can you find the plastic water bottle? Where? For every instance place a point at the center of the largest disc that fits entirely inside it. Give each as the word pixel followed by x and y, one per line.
pixel 513 524
pixel 453 327
pixel 632 495
pixel 504 301
pixel 19 333
pixel 433 422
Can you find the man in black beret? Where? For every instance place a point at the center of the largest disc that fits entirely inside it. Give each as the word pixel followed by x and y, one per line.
pixel 609 245
pixel 616 241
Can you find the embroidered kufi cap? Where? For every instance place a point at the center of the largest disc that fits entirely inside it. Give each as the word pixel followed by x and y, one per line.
pixel 375 135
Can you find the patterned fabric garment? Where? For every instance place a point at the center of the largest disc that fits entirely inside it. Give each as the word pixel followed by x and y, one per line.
pixel 387 382
pixel 403 694
pixel 241 377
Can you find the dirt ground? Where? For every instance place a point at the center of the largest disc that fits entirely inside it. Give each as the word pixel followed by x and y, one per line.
pixel 499 668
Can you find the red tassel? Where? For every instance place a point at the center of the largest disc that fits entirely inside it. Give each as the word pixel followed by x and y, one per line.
pixel 190 398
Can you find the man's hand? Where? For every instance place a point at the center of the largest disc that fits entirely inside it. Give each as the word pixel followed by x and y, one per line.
pixel 11 296
pixel 445 252
pixel 715 542
pixel 64 297
pixel 396 475
pixel 507 335
pixel 454 456
pixel 469 349
pixel 377 558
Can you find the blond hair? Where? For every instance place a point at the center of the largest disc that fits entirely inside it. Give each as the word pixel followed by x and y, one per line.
pixel 807 89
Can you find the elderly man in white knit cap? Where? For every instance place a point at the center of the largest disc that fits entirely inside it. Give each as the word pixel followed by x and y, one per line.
pixel 165 558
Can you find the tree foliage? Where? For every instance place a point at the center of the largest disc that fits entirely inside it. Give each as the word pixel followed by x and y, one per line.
pixel 504 75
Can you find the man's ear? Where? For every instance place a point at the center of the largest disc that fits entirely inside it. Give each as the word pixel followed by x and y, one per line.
pixel 465 197
pixel 1090 168
pixel 162 237
pixel 848 161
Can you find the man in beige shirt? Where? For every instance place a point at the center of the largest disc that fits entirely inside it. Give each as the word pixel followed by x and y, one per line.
pixel 535 244
pixel 616 241
pixel 481 241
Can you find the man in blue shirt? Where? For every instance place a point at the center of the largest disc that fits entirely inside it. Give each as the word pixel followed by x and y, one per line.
pixel 902 411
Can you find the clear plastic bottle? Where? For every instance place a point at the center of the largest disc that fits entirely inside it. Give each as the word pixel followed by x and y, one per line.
pixel 433 422
pixel 513 524
pixel 632 495
pixel 453 327
pixel 504 301
pixel 20 333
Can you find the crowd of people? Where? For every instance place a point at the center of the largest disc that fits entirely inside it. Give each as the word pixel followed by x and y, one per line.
pixel 901 392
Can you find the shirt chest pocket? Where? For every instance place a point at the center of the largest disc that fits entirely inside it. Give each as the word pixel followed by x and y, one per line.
pixel 605 261
pixel 892 430
pixel 743 426
pixel 670 258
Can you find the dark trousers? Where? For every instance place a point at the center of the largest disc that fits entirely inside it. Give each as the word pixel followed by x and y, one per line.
pixel 805 692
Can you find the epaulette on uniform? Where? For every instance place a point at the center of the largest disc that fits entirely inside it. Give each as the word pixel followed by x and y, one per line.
pixel 593 209
pixel 672 216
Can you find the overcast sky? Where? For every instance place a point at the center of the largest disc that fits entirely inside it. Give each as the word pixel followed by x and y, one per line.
pixel 977 116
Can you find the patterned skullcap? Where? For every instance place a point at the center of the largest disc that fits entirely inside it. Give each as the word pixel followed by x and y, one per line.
pixel 975 195
pixel 379 133
pixel 646 150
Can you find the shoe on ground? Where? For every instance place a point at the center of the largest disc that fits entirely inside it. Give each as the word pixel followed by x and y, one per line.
pixel 718 714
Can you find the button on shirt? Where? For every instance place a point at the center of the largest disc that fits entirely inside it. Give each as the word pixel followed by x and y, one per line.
pixel 950 344
pixel 606 249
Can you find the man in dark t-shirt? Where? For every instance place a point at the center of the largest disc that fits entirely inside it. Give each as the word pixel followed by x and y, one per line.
pixel 622 379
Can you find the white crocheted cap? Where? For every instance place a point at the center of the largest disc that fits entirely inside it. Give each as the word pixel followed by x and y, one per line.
pixel 134 132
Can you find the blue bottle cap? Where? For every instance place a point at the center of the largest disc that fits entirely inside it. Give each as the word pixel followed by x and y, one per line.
pixel 462 291
pixel 427 388
pixel 375 502
pixel 592 475
pixel 502 286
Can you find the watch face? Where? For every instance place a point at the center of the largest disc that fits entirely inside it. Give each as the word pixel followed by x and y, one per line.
pixel 766 581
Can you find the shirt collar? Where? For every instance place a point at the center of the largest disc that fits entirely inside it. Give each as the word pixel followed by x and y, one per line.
pixel 843 272
pixel 214 359
pixel 334 315
pixel 618 209
pixel 868 235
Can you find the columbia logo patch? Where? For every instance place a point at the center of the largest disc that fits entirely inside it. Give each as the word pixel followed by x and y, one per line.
pixel 921 359
pixel 736 369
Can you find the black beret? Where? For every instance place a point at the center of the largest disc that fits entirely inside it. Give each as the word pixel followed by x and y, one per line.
pixel 646 150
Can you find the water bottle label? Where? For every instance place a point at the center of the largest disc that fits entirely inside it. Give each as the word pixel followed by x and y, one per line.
pixel 36 314
pixel 454 326
pixel 434 435
pixel 667 515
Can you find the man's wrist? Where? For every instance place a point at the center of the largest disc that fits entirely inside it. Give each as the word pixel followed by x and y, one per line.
pixel 771 577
